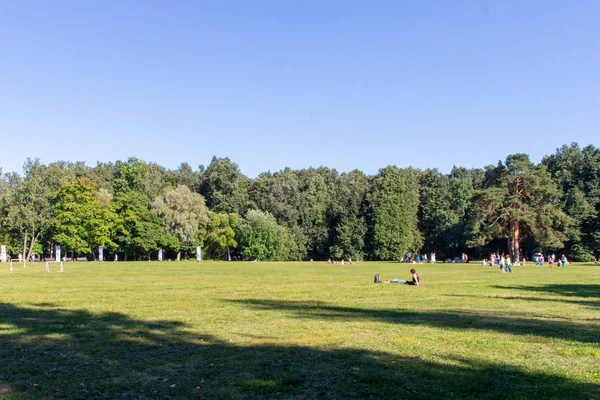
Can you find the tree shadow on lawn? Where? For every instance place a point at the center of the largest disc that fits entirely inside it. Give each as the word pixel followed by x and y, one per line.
pixel 58 353
pixel 586 303
pixel 562 289
pixel 582 332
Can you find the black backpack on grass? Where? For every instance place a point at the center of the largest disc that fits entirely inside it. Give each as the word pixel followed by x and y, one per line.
pixel 376 279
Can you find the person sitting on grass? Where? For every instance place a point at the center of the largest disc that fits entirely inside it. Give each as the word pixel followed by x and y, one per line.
pixel 415 279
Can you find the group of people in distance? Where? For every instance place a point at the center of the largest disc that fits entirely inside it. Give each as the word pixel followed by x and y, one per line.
pixel 329 261
pixel 418 259
pixel 539 260
pixel 504 262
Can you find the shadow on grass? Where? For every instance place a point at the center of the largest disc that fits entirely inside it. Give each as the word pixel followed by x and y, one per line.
pixel 582 332
pixel 561 289
pixel 51 352
pixel 590 292
pixel 586 303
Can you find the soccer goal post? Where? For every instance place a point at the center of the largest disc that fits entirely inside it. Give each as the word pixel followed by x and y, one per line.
pixel 49 263
pixel 11 268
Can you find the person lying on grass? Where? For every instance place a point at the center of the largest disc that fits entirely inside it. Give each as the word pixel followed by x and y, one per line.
pixel 415 279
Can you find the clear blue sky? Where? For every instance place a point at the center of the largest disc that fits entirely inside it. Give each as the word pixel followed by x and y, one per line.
pixel 344 84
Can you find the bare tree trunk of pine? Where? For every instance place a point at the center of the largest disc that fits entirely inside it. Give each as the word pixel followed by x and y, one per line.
pixel 178 255
pixel 515 233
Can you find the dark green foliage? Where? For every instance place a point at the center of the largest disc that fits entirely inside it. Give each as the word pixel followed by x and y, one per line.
pixel 29 203
pixel 325 214
pixel 224 187
pixel 347 216
pixel 521 200
pixel 81 223
pixel 316 192
pixel 139 230
pixel 394 202
pixel 279 195
pixel 261 238
pixel 576 171
pixel 436 217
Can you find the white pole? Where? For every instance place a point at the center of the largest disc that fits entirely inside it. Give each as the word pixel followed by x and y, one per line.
pixel 61 267
pixel 11 268
pixel 24 263
pixel 47 267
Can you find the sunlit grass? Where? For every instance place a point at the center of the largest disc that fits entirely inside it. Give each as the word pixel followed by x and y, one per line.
pixel 292 330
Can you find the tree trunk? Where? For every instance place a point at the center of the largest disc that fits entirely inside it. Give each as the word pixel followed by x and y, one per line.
pixel 178 255
pixel 513 249
pixel 34 239
pixel 25 246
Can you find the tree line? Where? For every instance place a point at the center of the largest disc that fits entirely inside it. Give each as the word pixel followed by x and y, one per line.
pixel 133 208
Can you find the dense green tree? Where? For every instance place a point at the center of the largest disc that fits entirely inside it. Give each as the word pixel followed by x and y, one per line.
pixel 181 212
pixel 186 176
pixel 261 238
pixel 29 208
pixel 327 214
pixel 220 234
pixel 521 199
pixel 81 222
pixel 394 202
pixel 316 192
pixel 347 216
pixel 139 230
pixel 131 175
pixel 103 175
pixel 5 237
pixel 576 171
pixel 224 187
pixel 436 215
pixel 461 199
pixel 279 195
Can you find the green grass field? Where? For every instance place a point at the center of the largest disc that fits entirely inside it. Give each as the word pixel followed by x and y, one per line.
pixel 298 331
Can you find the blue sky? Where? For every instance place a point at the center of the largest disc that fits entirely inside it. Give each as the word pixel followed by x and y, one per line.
pixel 275 84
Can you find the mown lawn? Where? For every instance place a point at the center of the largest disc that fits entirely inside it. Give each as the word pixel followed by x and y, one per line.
pixel 298 330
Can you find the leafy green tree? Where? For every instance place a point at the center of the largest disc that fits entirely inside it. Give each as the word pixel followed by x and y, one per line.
pixel 220 233
pixel 186 176
pixel 279 195
pixel 521 199
pixel 436 216
pixel 224 187
pixel 315 197
pixel 131 176
pixel 347 216
pixel 81 222
pixel 29 208
pixel 394 202
pixel 576 172
pixel 461 199
pixel 139 230
pixel 103 175
pixel 181 212
pixel 261 238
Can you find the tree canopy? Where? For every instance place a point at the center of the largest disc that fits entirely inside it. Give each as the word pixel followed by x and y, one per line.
pixel 134 208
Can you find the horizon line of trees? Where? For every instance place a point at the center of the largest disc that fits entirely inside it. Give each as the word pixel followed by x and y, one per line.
pixel 133 208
